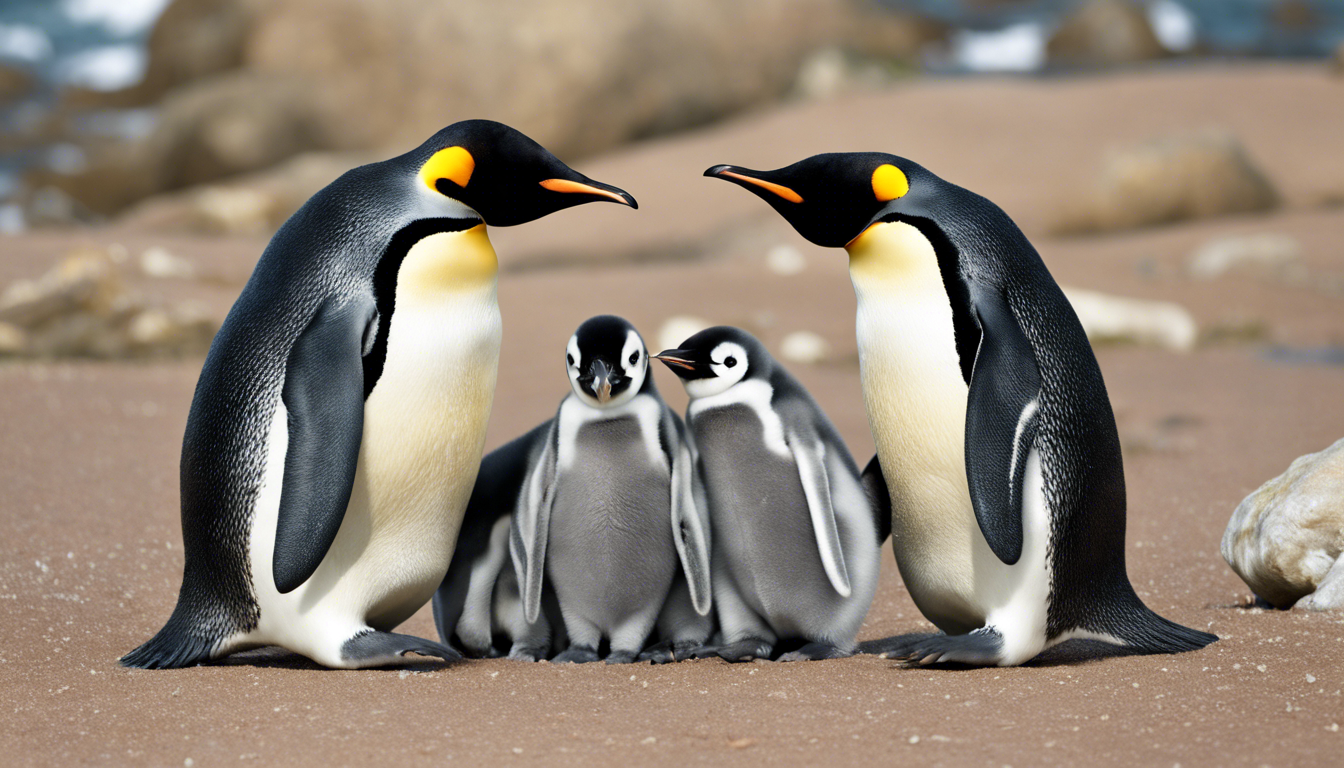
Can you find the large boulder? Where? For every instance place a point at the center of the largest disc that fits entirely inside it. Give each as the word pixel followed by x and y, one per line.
pixel 1174 178
pixel 274 79
pixel 1104 33
pixel 577 76
pixel 223 126
pixel 191 40
pixel 1285 540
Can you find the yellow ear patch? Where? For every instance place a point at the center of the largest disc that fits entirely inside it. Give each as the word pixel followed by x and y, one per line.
pixel 453 163
pixel 889 182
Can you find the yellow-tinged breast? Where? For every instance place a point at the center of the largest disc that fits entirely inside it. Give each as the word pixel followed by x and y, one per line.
pixel 447 261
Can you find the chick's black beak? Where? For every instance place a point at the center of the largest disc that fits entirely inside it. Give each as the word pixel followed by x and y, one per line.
pixel 599 381
pixel 588 187
pixel 682 362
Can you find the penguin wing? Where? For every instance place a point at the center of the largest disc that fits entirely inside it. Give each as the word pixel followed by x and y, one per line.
pixel 879 496
pixel 809 453
pixel 324 396
pixel 531 527
pixel 690 519
pixel 1001 411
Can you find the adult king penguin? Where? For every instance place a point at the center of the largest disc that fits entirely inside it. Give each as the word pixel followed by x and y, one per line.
pixel 993 428
pixel 339 419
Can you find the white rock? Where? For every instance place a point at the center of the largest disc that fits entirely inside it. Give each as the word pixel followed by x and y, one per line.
pixel 1265 252
pixel 158 262
pixel 803 347
pixel 784 259
pixel 677 329
pixel 1285 539
pixel 1108 318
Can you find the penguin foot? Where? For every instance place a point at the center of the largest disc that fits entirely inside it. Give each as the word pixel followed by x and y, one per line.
pixel 372 648
pixel 983 647
pixel 816 652
pixel 894 647
pixel 622 657
pixel 746 650
pixel 521 652
pixel 660 653
pixel 577 654
pixel 703 652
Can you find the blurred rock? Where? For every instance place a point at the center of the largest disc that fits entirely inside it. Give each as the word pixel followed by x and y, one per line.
pixel 14 82
pixel 1113 319
pixel 1265 254
pixel 159 262
pixel 13 340
pixel 677 329
pixel 881 32
pixel 239 123
pixel 804 347
pixel 1285 540
pixel 1337 63
pixel 578 76
pixel 1170 179
pixel 191 40
pixel 785 259
pixel 81 308
pixel 256 203
pixel 1104 33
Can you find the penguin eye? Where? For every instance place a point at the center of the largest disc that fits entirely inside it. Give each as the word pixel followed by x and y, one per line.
pixel 730 361
pixel 569 359
pixel 634 357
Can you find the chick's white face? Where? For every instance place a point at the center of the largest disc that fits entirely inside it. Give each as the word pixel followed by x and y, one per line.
pixel 626 371
pixel 728 364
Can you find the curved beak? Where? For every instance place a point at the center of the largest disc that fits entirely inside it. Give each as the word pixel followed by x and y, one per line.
pixel 744 177
pixel 589 187
pixel 682 362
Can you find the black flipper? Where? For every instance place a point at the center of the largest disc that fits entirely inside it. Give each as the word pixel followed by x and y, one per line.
pixel 875 484
pixel 1000 421
pixel 324 395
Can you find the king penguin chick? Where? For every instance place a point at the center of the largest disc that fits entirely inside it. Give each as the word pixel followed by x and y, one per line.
pixel 994 432
pixel 479 599
pixel 609 513
pixel 797 541
pixel 339 419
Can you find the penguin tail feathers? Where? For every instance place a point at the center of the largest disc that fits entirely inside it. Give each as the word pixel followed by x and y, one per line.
pixel 174 646
pixel 1146 632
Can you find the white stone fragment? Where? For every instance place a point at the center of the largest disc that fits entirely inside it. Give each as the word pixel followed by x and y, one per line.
pixel 1108 318
pixel 803 347
pixel 1285 539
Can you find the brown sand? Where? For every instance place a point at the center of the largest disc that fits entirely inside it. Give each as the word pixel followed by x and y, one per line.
pixel 91 559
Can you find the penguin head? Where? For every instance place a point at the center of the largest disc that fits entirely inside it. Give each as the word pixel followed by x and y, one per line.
pixel 606 361
pixel 831 199
pixel 501 175
pixel 715 359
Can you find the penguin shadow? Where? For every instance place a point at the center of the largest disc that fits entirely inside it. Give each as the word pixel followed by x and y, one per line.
pixel 1068 653
pixel 275 657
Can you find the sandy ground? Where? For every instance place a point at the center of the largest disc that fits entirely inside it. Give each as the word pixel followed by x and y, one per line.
pixel 91 556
